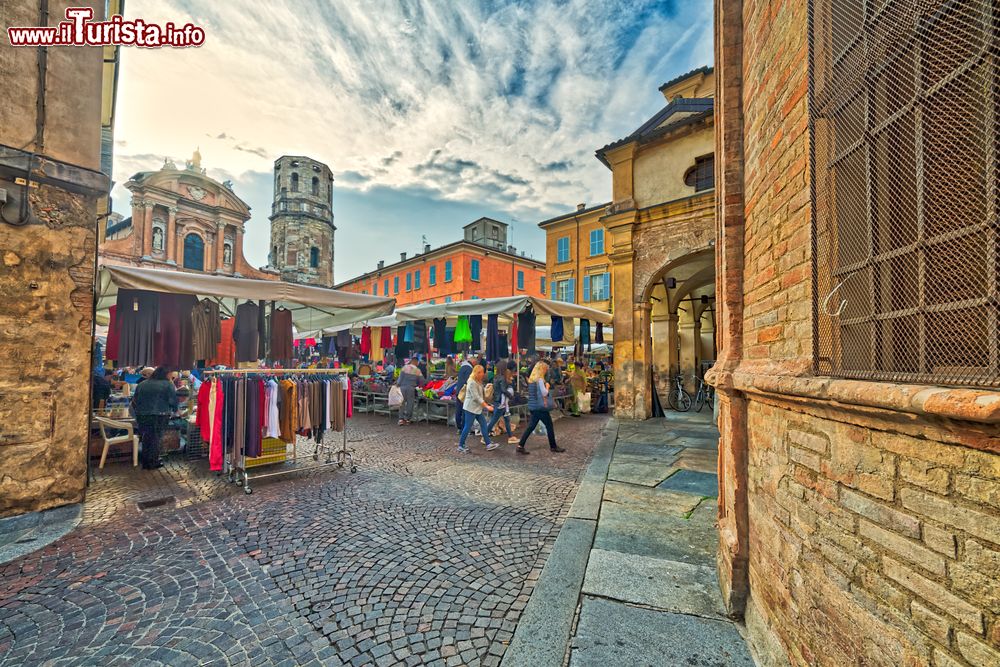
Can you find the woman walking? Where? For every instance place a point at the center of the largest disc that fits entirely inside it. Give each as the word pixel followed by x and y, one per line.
pixel 539 403
pixel 155 400
pixel 503 391
pixel 475 403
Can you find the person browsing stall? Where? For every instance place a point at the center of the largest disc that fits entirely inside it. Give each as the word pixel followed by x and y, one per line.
pixel 155 400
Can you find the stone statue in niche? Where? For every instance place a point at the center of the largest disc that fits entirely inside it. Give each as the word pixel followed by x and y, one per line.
pixel 227 254
pixel 157 239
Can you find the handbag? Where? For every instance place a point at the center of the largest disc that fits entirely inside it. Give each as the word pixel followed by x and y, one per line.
pixel 395 396
pixel 461 394
pixel 550 403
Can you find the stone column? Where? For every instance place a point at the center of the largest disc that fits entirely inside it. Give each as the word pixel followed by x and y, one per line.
pixel 170 238
pixel 147 230
pixel 179 247
pixel 642 360
pixel 238 250
pixel 625 332
pixel 220 240
pixel 690 341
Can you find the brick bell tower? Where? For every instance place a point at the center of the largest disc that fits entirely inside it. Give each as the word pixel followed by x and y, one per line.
pixel 302 221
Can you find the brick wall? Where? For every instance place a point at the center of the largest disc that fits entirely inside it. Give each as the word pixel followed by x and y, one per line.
pixel 872 543
pixel 857 526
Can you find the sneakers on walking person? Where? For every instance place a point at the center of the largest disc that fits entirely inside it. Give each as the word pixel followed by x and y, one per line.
pixel 463 450
pixel 522 450
pixel 493 445
pixel 558 450
pixel 512 440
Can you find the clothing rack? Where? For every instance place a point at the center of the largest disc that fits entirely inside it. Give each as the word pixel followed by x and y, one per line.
pixel 235 463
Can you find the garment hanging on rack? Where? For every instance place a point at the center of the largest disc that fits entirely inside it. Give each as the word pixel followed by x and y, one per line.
pixel 137 315
pixel 246 332
pixel 386 342
pixel 476 329
pixel 206 329
pixel 514 347
pixel 287 410
pixel 281 336
pixel 492 338
pixel 262 338
pixel 440 336
pixel 503 349
pixel 111 348
pixel 377 353
pixel 225 351
pixel 599 335
pixel 463 333
pixel 173 342
pixel 585 333
pixel 366 341
pixel 556 329
pixel 526 331
pixel 420 337
pixel 272 422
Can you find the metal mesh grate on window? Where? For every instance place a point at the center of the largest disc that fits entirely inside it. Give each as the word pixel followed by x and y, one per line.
pixel 905 111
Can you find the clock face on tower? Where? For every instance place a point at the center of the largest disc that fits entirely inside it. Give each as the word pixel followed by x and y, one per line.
pixel 196 193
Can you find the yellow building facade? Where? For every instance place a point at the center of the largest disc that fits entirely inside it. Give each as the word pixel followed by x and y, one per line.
pixel 577 268
pixel 660 236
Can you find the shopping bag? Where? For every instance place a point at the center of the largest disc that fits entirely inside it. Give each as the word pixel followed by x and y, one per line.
pixel 395 397
pixel 583 401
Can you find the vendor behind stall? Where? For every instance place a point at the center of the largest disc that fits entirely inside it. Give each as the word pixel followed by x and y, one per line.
pixel 154 402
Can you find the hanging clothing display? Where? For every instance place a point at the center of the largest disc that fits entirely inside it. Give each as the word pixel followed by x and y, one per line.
pixel 137 316
pixel 492 338
pixel 209 420
pixel 513 336
pixel 377 353
pixel 526 331
pixel 273 420
pixel 225 351
pixel 463 333
pixel 246 332
pixel 206 329
pixel 281 335
pixel 408 333
pixel 172 345
pixel 386 338
pixel 402 349
pixel 287 410
pixel 366 341
pixel 262 338
pixel 556 329
pixel 599 335
pixel 476 327
pixel 440 335
pixel 585 333
pixel 420 337
pixel 111 348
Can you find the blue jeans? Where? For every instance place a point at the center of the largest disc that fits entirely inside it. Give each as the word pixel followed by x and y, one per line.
pixel 498 414
pixel 470 418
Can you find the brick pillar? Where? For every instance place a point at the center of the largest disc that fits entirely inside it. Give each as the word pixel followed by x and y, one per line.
pixel 673 342
pixel 729 259
pixel 220 239
pixel 642 360
pixel 170 240
pixel 147 230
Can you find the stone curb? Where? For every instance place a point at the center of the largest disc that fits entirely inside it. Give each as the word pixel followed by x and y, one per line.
pixel 543 632
pixel 29 532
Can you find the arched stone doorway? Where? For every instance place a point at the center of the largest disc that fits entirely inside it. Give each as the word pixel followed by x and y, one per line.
pixel 682 320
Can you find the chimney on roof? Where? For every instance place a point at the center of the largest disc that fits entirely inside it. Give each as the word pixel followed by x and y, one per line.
pixel 402 256
pixel 580 207
pixel 381 264
pixel 427 248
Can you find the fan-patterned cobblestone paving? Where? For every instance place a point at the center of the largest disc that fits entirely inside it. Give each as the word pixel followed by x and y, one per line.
pixel 424 556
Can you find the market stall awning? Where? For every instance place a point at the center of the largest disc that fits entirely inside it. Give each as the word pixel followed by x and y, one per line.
pixel 313 308
pixel 501 306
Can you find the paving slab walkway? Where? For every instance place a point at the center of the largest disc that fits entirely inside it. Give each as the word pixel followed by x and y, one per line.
pixel 647 592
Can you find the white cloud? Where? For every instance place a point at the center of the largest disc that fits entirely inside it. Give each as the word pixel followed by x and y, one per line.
pixel 499 90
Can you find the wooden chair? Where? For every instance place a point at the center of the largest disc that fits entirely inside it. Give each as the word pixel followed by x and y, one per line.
pixel 129 436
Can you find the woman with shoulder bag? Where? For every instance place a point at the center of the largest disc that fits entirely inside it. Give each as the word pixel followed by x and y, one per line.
pixel 540 402
pixel 473 405
pixel 503 391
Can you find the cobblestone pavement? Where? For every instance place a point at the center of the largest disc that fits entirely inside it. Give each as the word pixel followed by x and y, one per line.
pixel 424 556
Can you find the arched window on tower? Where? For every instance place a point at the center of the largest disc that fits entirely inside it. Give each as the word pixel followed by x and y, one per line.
pixel 314 257
pixel 194 252
pixel 295 182
pixel 315 186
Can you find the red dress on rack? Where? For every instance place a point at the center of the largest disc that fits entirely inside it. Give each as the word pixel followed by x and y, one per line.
pixel 225 354
pixel 366 340
pixel 209 420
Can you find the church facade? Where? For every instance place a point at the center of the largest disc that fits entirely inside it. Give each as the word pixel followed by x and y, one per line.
pixel 181 220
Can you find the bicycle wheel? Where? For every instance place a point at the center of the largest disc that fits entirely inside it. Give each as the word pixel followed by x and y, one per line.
pixel 679 400
pixel 699 400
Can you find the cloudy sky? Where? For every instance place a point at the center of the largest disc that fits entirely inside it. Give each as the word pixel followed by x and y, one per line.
pixel 430 113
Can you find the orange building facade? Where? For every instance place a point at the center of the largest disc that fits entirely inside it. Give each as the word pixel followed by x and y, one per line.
pixel 454 272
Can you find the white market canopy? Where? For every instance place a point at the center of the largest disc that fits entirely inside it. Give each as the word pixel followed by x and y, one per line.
pixel 504 305
pixel 313 308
